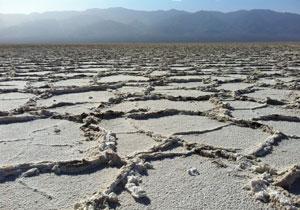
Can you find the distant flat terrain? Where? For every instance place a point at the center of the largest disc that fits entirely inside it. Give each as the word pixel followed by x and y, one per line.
pixel 150 126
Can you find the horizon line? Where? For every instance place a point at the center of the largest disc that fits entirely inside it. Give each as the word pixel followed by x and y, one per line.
pixel 95 8
pixel 2 44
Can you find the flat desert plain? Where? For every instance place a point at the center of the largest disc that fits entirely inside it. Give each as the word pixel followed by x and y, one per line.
pixel 150 126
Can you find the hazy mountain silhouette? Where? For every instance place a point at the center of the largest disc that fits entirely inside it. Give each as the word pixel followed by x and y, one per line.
pixel 124 25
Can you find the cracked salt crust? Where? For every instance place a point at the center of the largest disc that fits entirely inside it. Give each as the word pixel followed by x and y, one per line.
pixel 243 139
pixel 91 97
pixel 212 188
pixel 285 154
pixel 49 191
pixel 122 126
pixel 37 141
pixel 178 123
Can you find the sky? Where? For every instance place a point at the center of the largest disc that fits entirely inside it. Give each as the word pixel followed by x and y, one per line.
pixel 29 6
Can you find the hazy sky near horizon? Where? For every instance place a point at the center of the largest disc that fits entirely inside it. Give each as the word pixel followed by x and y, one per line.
pixel 29 6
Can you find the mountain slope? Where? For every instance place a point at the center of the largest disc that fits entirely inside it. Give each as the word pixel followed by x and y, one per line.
pixel 124 25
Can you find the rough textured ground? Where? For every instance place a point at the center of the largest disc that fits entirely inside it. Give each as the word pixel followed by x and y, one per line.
pixel 187 126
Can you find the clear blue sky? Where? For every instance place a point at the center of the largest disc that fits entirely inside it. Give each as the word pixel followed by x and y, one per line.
pixel 28 6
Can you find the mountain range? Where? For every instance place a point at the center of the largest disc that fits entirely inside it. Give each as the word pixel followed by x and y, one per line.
pixel 125 25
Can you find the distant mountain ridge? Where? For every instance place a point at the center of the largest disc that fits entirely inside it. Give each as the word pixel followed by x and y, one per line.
pixel 125 25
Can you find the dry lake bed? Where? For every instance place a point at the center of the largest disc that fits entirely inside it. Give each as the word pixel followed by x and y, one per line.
pixel 162 126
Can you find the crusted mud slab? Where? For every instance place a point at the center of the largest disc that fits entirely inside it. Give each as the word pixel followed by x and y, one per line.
pixel 186 126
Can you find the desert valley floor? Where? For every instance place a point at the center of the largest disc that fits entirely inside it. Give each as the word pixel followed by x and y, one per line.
pixel 154 126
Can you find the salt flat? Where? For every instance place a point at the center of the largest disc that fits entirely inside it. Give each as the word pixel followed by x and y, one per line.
pixel 148 126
